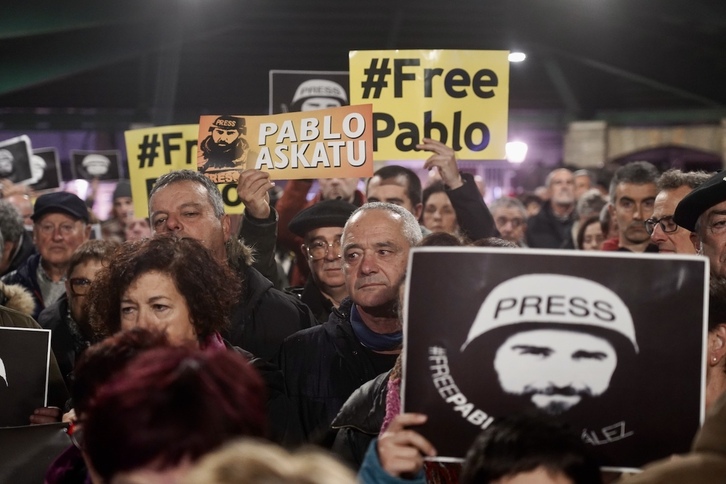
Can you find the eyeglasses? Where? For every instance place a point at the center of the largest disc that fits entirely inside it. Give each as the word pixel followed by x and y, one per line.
pixel 666 223
pixel 75 433
pixel 64 229
pixel 516 222
pixel 80 286
pixel 318 249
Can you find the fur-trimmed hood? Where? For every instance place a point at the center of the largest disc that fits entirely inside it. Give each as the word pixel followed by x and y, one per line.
pixel 15 296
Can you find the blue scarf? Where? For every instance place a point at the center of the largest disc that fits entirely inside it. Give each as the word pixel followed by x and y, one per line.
pixel 370 339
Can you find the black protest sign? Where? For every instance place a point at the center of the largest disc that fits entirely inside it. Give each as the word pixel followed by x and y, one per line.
pixel 45 169
pixel 99 165
pixel 24 359
pixel 15 156
pixel 610 343
pixel 27 452
pixel 292 91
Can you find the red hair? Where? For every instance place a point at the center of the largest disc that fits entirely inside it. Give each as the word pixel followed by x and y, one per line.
pixel 173 403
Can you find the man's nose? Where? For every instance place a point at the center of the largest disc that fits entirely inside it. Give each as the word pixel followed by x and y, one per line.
pixel 369 264
pixel 173 224
pixel 658 235
pixel 57 235
pixel 638 213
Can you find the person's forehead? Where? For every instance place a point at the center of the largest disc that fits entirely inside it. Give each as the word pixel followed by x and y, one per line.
pixel 374 221
pixel 387 188
pixel 87 267
pixel 325 233
pixel 438 198
pixel 667 200
pixel 582 179
pixel 557 339
pixel 509 212
pixel 56 218
pixel 719 207
pixel 636 191
pixel 562 175
pixel 179 193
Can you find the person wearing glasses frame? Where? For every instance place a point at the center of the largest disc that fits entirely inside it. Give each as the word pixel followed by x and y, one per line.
pixel 663 230
pixel 321 227
pixel 703 212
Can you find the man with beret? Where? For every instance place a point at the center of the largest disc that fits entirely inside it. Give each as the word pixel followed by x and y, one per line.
pixel 60 225
pixel 703 212
pixel 321 227
pixel 664 231
pixel 225 148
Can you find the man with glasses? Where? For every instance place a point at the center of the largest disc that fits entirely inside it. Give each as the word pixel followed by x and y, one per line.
pixel 673 185
pixel 510 217
pixel 67 318
pixel 632 195
pixel 703 212
pixel 321 227
pixel 60 225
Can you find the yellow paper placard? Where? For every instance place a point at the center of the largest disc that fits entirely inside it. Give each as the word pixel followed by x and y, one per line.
pixel 460 97
pixel 327 143
pixel 153 152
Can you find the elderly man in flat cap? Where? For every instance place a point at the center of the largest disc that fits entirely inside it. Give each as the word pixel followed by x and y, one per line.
pixel 321 227
pixel 60 225
pixel 703 212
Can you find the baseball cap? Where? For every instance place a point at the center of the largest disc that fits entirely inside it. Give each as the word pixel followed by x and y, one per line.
pixel 60 202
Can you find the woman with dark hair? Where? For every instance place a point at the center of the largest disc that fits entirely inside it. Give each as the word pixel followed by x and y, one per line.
pixel 177 286
pixel 167 283
pixel 438 213
pixel 589 235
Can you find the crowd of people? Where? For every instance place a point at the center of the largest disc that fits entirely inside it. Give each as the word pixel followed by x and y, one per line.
pixel 188 348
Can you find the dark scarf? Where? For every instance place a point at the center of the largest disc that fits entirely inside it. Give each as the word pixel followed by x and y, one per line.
pixel 370 339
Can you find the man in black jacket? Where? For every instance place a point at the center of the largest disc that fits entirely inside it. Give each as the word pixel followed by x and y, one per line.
pixel 187 204
pixel 362 338
pixel 321 227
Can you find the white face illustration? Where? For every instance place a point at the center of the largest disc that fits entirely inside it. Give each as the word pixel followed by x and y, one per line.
pixel 555 368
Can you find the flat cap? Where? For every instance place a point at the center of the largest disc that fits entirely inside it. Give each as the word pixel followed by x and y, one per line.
pixel 693 205
pixel 326 213
pixel 60 202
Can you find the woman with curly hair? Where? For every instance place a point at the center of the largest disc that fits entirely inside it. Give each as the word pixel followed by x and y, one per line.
pixel 166 283
pixel 177 286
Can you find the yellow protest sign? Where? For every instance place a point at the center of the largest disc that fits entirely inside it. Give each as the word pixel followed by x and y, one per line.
pixel 153 152
pixel 327 143
pixel 460 97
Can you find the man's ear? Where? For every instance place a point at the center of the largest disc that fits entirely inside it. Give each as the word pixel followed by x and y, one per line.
pixel 418 208
pixel 697 244
pixel 717 344
pixel 226 225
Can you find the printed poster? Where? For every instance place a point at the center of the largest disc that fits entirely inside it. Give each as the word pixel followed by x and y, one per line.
pixel 459 97
pixel 45 169
pixel 326 143
pixel 293 91
pixel 610 343
pixel 99 165
pixel 24 360
pixel 15 156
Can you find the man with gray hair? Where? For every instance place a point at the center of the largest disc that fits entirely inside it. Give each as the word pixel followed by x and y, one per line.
pixel 583 182
pixel 186 203
pixel 551 227
pixel 632 196
pixel 510 217
pixel 673 185
pixel 703 212
pixel 18 244
pixel 362 338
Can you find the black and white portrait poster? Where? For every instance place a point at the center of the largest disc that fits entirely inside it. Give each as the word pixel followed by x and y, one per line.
pixel 24 360
pixel 45 169
pixel 610 343
pixel 101 165
pixel 15 156
pixel 293 91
